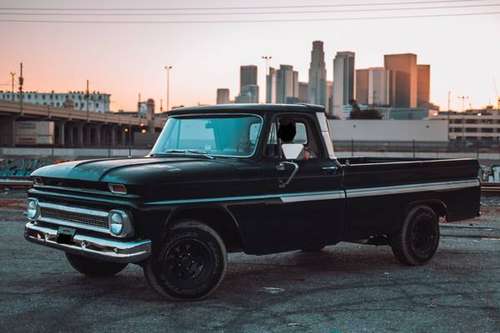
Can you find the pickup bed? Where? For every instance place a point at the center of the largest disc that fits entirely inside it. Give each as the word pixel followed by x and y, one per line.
pixel 254 178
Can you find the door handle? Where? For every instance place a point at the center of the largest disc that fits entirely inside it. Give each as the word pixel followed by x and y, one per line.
pixel 329 168
pixel 282 167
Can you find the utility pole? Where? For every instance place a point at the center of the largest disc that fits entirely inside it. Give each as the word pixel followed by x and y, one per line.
pixel 463 98
pixel 87 100
pixel 21 82
pixel 168 68
pixel 267 59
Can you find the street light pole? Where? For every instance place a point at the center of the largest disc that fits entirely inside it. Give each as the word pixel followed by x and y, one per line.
pixel 12 77
pixel 168 68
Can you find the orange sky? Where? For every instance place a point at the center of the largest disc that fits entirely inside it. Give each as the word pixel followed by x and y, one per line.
pixel 125 59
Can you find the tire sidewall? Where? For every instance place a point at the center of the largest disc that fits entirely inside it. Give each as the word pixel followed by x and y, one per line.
pixel 183 231
pixel 414 216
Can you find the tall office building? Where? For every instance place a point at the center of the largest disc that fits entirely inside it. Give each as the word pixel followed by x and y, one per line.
pixel 303 92
pixel 405 68
pixel 423 85
pixel 329 97
pixel 343 83
pixel 271 85
pixel 317 75
pixel 362 86
pixel 381 86
pixel 223 96
pixel 248 75
pixel 287 84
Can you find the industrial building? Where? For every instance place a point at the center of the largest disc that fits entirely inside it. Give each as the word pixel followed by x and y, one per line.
pixel 77 100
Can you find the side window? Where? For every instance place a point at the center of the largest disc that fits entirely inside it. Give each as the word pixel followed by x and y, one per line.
pixel 253 133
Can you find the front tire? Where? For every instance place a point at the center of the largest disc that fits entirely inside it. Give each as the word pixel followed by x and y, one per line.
pixel 93 267
pixel 417 241
pixel 189 265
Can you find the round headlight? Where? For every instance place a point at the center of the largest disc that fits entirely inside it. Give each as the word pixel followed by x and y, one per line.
pixel 116 223
pixel 32 210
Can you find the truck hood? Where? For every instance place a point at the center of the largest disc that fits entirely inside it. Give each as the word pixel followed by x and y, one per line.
pixel 138 171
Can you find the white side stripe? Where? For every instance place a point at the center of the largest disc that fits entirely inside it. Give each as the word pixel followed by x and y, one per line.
pixel 398 189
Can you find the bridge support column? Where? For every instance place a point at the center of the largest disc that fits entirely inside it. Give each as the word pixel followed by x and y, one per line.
pixel 61 133
pixel 112 129
pixel 79 135
pixel 98 135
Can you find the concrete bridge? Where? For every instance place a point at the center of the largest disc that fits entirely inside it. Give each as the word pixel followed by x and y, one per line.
pixel 78 128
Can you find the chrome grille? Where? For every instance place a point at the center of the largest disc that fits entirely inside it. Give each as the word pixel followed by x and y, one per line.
pixel 97 221
pixel 72 216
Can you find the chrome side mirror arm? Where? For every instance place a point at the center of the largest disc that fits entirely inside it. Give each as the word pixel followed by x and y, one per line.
pixel 282 167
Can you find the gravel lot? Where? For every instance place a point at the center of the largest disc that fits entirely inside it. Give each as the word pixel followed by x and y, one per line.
pixel 345 288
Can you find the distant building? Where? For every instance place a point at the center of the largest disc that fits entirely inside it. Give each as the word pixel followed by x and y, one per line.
pixel 223 96
pixel 317 75
pixel 248 75
pixel 287 84
pixel 78 100
pixel 271 85
pixel 423 84
pixel 249 94
pixel 303 92
pixel 362 86
pixel 329 97
pixel 343 82
pixel 381 86
pixel 473 125
pixel 249 90
pixel 405 68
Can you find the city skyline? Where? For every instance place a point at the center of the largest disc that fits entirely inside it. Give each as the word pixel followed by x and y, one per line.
pixel 125 60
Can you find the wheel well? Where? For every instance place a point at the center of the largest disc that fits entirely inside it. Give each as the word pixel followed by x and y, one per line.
pixel 218 218
pixel 437 206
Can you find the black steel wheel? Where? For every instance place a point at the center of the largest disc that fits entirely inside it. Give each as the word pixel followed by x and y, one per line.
pixel 418 239
pixel 189 265
pixel 93 267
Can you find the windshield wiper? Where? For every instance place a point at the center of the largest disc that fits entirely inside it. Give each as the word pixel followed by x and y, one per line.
pixel 187 152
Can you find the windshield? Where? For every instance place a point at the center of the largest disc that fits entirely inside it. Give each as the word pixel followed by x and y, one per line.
pixel 213 135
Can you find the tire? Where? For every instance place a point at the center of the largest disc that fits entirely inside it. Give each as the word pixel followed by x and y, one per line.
pixel 417 241
pixel 189 264
pixel 93 267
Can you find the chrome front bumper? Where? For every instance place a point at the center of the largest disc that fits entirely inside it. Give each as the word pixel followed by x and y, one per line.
pixel 99 248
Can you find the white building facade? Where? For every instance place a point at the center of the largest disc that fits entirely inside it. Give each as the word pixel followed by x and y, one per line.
pixel 343 82
pixel 78 100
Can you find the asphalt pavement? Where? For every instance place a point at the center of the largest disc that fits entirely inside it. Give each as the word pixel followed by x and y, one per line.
pixel 345 288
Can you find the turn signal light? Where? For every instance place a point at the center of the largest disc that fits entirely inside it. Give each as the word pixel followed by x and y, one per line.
pixel 118 188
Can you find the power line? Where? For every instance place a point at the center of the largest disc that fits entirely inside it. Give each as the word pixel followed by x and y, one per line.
pixel 257 13
pixel 238 8
pixel 325 19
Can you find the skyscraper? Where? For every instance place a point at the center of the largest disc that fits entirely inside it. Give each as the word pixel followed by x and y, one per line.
pixel 405 68
pixel 362 86
pixel 222 96
pixel 343 82
pixel 249 90
pixel 381 86
pixel 317 75
pixel 329 97
pixel 271 86
pixel 248 75
pixel 423 84
pixel 303 92
pixel 287 84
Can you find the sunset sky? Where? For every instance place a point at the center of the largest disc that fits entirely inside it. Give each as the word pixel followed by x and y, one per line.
pixel 126 59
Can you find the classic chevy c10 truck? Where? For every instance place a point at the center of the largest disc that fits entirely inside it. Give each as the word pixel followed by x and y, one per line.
pixel 254 178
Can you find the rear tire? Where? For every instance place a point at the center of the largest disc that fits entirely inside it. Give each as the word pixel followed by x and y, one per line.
pixel 418 240
pixel 190 263
pixel 93 267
